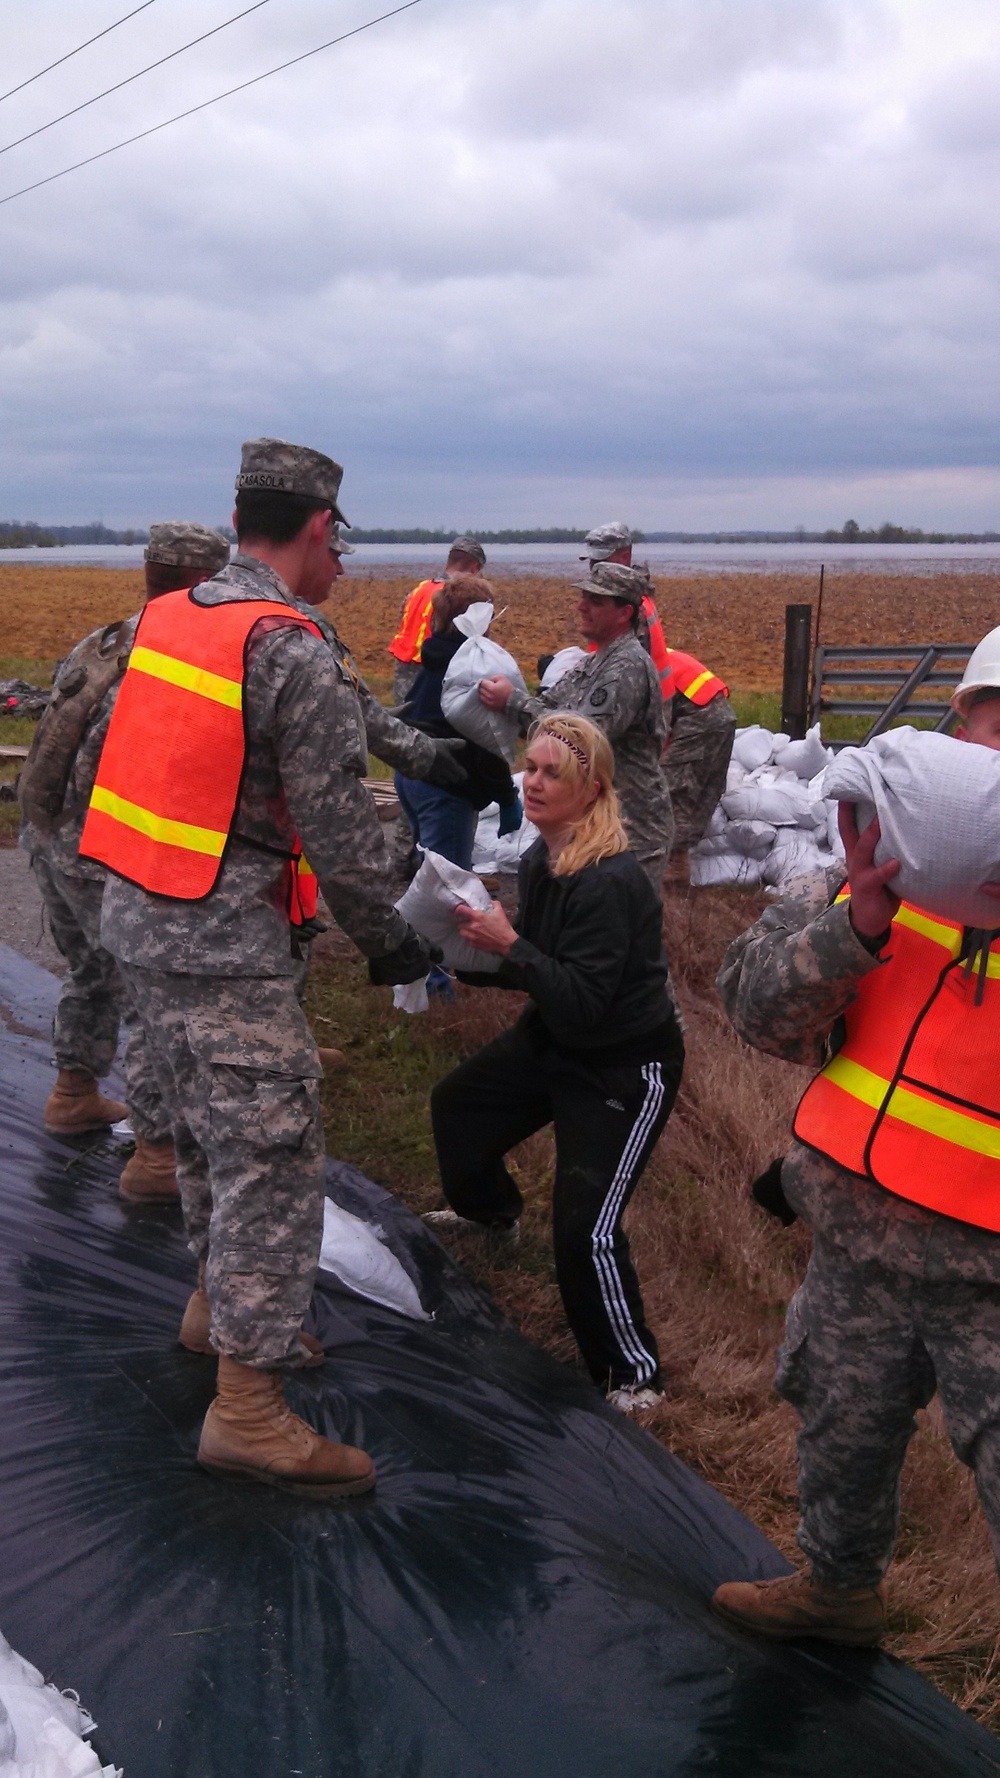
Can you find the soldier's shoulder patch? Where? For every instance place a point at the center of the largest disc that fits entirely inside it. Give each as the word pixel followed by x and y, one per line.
pixel 599 697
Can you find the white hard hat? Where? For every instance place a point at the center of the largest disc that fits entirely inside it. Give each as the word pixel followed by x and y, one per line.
pixel 981 674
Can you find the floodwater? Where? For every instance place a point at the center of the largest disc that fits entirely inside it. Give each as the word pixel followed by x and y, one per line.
pixel 664 559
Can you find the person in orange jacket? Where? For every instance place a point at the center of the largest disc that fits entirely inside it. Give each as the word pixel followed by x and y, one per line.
pixel 466 556
pixel 702 725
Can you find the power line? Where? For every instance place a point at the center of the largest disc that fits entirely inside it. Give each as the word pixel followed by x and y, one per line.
pixel 75 52
pixel 127 143
pixel 214 32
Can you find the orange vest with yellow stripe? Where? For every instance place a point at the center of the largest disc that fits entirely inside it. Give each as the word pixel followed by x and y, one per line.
pixel 415 623
pixel 912 1098
pixel 168 784
pixel 691 677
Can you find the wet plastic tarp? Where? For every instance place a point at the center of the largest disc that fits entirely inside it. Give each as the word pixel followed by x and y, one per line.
pixel 525 1595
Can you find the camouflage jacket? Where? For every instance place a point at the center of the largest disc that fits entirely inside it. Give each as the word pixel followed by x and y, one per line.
pixel 62 848
pixel 404 748
pixel 305 758
pixel 784 983
pixel 617 688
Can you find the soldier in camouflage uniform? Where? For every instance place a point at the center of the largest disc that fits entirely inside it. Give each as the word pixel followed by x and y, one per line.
pixel 617 688
pixel 701 735
pixel 898 1300
pixel 214 979
pixel 54 790
pixel 696 763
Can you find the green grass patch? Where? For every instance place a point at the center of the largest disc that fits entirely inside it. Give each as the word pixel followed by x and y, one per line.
pixel 376 1112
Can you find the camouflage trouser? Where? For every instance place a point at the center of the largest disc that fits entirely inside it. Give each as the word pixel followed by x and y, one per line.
pixel 239 1064
pixel 865 1347
pixel 403 675
pixel 654 868
pixel 695 764
pixel 92 1000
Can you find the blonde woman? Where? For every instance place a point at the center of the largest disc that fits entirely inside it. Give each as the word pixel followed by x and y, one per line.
pixel 598 1052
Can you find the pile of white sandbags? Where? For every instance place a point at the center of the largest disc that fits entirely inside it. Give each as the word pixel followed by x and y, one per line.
pixel 773 823
pixel 41 1729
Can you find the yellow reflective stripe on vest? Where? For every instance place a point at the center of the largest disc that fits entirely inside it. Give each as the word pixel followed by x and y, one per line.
pixel 197 679
pixel 158 827
pixel 696 684
pixel 909 1108
pixel 935 930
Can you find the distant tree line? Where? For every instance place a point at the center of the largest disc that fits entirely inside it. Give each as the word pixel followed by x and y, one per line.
pixel 851 532
pixel 554 534
pixel 15 535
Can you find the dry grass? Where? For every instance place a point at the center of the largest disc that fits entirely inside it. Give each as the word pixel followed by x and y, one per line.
pixel 734 621
pixel 716 1273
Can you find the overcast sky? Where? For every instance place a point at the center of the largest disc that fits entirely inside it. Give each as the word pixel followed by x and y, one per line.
pixel 697 263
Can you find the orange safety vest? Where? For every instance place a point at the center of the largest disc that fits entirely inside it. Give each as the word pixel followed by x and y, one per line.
pixel 168 784
pixel 693 678
pixel 415 623
pixel 658 645
pixel 912 1098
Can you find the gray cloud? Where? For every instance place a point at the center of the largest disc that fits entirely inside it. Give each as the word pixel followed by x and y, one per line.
pixel 504 255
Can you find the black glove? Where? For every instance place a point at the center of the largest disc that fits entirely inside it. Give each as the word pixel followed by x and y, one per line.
pixel 446 773
pixel 767 1192
pixel 410 961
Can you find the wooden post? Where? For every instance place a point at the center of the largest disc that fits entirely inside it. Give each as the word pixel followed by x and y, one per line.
pixel 795 687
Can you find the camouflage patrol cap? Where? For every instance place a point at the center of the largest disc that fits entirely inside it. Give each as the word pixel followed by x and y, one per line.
pixel 339 546
pixel 274 466
pixel 612 580
pixel 468 546
pixel 605 540
pixel 179 543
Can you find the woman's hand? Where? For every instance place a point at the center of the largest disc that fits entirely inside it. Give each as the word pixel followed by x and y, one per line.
pixel 873 905
pixel 491 932
pixel 495 691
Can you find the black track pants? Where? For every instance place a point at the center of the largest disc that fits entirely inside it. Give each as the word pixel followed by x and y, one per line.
pixel 606 1121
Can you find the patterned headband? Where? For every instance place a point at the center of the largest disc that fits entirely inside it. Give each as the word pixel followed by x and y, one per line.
pixel 564 741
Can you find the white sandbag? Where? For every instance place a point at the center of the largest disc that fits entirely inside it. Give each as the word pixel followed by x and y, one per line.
pixel 479 658
pixel 712 845
pixel 735 775
pixel 718 822
pixel 429 905
pixel 753 839
pixel 938 806
pixel 495 854
pixel 805 758
pixel 794 854
pixel 783 805
pixel 752 747
pixel 727 868
pixel 353 1252
pixel 779 742
pixel 562 663
pixel 41 1730
pixel 408 997
pixel 833 838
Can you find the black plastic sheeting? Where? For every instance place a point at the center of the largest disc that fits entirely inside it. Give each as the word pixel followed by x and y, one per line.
pixel 525 1595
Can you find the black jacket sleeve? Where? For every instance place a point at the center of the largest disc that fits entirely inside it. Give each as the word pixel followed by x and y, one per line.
pixel 574 985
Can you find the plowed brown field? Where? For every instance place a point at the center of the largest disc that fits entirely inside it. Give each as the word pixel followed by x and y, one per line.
pixel 735 622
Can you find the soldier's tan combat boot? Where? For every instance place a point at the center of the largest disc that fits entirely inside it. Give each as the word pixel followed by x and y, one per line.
pixel 250 1431
pixel 196 1328
pixel 76 1105
pixel 797 1605
pixel 150 1176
